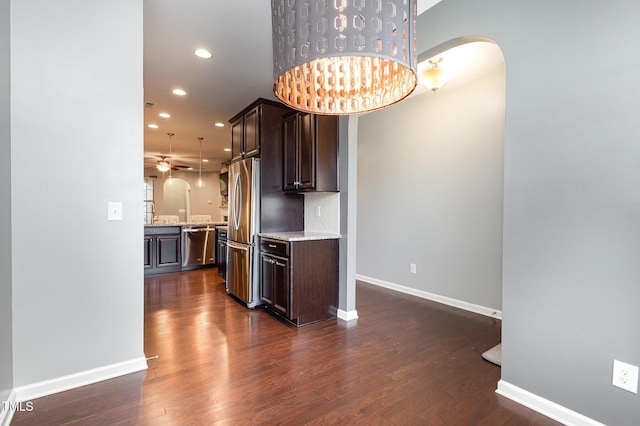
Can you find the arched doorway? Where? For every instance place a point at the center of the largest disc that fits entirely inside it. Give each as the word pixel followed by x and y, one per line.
pixel 177 198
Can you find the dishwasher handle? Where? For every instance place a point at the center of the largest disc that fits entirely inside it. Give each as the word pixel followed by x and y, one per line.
pixel 198 230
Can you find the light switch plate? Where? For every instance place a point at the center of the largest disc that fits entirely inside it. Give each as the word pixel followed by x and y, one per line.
pixel 114 211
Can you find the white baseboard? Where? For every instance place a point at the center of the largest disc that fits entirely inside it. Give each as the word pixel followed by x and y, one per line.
pixel 6 415
pixel 482 310
pixel 60 384
pixel 347 315
pixel 544 406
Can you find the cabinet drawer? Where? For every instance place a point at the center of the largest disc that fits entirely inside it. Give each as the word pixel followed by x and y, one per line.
pixel 162 230
pixel 278 248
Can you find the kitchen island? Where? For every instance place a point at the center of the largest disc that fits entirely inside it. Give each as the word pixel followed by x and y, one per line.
pixel 165 247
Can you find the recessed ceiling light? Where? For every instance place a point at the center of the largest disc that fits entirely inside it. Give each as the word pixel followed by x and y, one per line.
pixel 164 115
pixel 227 149
pixel 152 126
pixel 204 160
pixel 203 53
pixel 219 124
pixel 179 92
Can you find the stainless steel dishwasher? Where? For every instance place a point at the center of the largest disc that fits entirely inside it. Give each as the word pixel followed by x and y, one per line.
pixel 198 246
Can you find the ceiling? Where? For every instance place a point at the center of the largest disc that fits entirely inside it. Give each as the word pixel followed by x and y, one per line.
pixel 239 36
pixel 218 88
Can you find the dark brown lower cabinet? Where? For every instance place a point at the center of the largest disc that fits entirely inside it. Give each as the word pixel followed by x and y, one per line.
pixel 275 282
pixel 161 249
pixel 299 279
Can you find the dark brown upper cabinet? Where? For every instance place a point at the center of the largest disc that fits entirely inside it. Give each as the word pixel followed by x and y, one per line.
pixel 257 131
pixel 245 133
pixel 310 152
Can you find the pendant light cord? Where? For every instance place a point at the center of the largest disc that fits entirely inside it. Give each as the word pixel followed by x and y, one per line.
pixel 200 182
pixel 170 152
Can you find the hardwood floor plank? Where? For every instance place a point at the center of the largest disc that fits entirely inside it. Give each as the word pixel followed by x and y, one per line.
pixel 404 361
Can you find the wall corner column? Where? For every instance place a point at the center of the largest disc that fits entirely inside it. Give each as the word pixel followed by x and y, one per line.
pixel 348 172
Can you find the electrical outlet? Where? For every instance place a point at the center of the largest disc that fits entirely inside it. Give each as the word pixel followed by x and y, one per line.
pixel 412 268
pixel 625 376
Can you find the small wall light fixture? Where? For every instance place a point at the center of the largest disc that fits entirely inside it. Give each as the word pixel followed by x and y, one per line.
pixel 435 77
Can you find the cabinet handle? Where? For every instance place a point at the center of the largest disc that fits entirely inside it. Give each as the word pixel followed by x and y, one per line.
pixel 273 245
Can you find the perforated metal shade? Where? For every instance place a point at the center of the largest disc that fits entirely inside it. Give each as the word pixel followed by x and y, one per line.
pixel 343 56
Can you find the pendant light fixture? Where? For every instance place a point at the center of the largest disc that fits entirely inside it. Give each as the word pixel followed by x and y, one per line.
pixel 170 153
pixel 343 56
pixel 435 77
pixel 200 182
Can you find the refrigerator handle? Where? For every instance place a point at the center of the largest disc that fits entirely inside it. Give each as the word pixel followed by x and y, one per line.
pixel 237 246
pixel 236 208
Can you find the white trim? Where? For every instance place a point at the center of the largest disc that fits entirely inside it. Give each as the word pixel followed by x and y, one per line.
pixel 347 315
pixel 7 415
pixel 482 310
pixel 544 406
pixel 71 381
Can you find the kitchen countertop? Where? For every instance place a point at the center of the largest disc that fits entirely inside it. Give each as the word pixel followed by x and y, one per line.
pixel 300 236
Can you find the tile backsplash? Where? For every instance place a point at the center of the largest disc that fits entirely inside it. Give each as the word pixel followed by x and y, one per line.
pixel 322 212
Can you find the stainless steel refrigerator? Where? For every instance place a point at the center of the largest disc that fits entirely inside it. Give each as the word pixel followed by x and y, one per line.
pixel 244 224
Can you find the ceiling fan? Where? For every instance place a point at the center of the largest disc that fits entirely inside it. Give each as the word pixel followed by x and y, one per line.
pixel 164 164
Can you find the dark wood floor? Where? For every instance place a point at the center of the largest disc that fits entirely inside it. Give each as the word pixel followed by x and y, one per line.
pixel 404 361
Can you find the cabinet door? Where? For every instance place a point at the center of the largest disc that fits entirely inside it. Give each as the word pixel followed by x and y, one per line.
pixel 306 151
pixel 281 286
pixel 289 136
pixel 266 279
pixel 168 251
pixel 252 132
pixel 237 139
pixel 221 257
pixel 148 250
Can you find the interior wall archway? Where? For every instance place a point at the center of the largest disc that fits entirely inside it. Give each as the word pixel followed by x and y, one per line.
pixel 177 198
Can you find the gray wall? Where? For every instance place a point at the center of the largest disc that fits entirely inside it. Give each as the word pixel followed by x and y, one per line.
pixel 430 177
pixel 77 144
pixel 572 192
pixel 6 346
